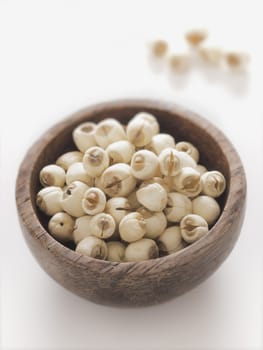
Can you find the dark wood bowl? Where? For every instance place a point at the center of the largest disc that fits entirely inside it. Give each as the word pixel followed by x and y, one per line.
pixel 134 283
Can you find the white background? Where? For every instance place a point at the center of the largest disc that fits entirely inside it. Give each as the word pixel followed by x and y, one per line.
pixel 59 56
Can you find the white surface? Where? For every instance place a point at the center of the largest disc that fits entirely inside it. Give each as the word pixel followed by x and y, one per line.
pixel 58 56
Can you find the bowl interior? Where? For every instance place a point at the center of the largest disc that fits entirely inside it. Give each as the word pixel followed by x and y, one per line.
pixel 173 122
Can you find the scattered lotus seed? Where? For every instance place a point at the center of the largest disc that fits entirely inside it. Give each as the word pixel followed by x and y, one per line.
pixel 236 60
pixel 211 55
pixel 196 37
pixel 159 48
pixel 179 62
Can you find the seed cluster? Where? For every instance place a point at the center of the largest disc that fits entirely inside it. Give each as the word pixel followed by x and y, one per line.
pixel 212 56
pixel 129 193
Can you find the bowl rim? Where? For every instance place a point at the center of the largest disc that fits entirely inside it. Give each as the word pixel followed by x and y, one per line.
pixel 237 184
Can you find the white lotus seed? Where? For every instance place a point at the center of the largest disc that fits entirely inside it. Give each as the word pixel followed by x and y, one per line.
pixel 102 225
pixel 168 182
pixel 178 206
pixel 150 119
pixel 61 226
pixel 188 182
pixel 159 180
pixel 144 249
pixel 196 36
pixel 83 136
pixel 118 181
pixel 52 175
pixel 132 198
pixel 132 227
pixel 49 200
pixel 170 240
pixel 214 183
pixel 211 55
pixel 120 152
pixel 81 228
pixel 93 247
pixel 237 60
pixel 95 161
pixel 116 251
pixel 179 62
pixel 97 182
pixel 152 197
pixel 186 160
pixel 72 197
pixel 155 222
pixel 94 201
pixel 170 163
pixel 76 172
pixel 159 48
pixel 201 169
pixel 141 129
pixel 118 207
pixel 69 158
pixel 188 148
pixel 144 164
pixel 160 142
pixel 109 131
pixel 207 207
pixel 193 227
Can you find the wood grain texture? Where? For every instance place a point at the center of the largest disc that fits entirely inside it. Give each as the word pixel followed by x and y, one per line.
pixel 134 283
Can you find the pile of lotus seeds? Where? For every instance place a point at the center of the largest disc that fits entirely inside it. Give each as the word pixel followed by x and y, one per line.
pixel 130 193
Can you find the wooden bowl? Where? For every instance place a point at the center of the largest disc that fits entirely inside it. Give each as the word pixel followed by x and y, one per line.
pixel 134 283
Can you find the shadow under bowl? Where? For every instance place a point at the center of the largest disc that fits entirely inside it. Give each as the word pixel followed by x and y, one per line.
pixel 134 283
